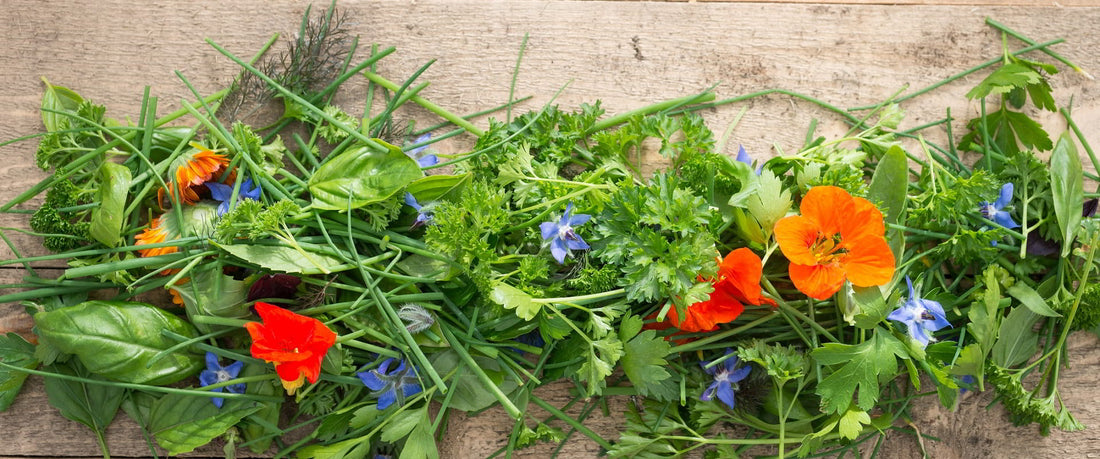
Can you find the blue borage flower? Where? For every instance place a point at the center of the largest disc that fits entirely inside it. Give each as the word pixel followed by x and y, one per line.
pixel 921 316
pixel 743 156
pixel 391 386
pixel 215 373
pixel 423 213
pixel 561 235
pixel 726 378
pixel 996 212
pixel 426 160
pixel 224 193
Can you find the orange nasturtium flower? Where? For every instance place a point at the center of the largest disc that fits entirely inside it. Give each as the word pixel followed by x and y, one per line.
pixel 738 284
pixel 838 237
pixel 192 169
pixel 296 344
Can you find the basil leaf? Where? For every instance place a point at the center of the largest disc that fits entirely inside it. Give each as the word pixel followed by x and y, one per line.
pixel 435 187
pixel 1067 186
pixel 181 423
pixel 286 259
pixel 15 351
pixel 94 405
pixel 58 99
pixel 114 184
pixel 361 176
pixel 119 340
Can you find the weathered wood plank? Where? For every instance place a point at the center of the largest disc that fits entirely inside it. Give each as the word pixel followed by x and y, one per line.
pixel 633 54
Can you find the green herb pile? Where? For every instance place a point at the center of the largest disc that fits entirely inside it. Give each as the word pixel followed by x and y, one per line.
pixel 330 285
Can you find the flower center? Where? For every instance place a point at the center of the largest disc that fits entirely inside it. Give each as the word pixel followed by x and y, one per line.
pixel 565 232
pixel 827 249
pixel 222 376
pixel 988 210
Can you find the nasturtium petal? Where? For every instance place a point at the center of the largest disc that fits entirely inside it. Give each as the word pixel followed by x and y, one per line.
pixel 817 281
pixel 795 235
pixel 869 262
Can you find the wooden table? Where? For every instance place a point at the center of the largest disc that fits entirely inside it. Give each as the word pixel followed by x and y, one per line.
pixel 625 53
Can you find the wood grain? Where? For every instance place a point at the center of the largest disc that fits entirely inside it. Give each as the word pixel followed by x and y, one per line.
pixel 627 54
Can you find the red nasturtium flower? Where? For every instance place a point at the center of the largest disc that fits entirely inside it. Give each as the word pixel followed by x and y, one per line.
pixel 738 284
pixel 296 344
pixel 838 237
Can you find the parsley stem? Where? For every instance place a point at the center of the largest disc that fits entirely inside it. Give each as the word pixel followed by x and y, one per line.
pixel 1021 37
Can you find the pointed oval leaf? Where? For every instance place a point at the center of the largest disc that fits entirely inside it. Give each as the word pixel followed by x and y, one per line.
pixel 119 340
pixel 360 175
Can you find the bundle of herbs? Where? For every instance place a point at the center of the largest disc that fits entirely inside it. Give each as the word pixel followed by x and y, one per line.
pixel 333 266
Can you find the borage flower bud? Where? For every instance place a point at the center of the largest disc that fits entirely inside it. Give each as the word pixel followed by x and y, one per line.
pixel 417 318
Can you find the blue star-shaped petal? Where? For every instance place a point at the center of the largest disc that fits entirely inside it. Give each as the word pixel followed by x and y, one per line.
pixel 224 193
pixel 391 386
pixel 426 160
pixel 743 157
pixel 215 373
pixel 996 212
pixel 561 235
pixel 920 316
pixel 423 213
pixel 726 378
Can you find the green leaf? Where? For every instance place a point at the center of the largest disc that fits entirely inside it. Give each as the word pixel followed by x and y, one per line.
pixel 629 327
pixel 514 298
pixel 181 423
pixel 1016 340
pixel 359 176
pixel 1067 186
pixel 15 351
pixel 355 448
pixel 1030 298
pixel 400 425
pixel 94 405
pixel 58 99
pixel 852 422
pixel 470 394
pixel 106 220
pixel 421 443
pixel 871 307
pixel 861 366
pixel 435 187
pixel 1004 80
pixel 119 340
pixel 644 363
pixel 211 293
pixel 285 259
pixel 600 359
pixel 770 202
pixel 888 189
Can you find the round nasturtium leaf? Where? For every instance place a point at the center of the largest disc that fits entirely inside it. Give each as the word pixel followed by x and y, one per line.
pixel 119 340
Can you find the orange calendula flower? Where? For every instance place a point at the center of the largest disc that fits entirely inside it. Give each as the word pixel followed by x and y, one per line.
pixel 296 344
pixel 169 226
pixel 738 284
pixel 837 238
pixel 193 169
